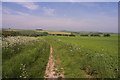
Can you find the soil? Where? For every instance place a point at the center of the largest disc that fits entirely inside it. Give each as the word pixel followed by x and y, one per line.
pixel 51 70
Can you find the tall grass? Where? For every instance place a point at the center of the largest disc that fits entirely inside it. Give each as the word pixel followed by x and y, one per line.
pixel 30 61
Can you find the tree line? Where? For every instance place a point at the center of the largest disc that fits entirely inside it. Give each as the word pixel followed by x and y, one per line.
pixel 15 33
pixel 35 34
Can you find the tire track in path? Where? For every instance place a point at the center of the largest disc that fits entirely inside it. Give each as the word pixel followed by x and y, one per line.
pixel 51 70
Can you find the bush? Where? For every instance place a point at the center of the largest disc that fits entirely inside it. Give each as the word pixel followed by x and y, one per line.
pixel 106 35
pixel 24 33
pixel 84 35
pixel 10 33
pixel 95 35
pixel 72 35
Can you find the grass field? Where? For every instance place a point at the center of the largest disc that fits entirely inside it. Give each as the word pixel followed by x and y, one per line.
pixel 95 57
pixel 79 57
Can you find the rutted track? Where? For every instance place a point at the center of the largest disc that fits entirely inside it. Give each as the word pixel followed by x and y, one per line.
pixel 50 68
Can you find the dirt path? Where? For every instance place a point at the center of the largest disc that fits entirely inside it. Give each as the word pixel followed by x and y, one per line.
pixel 51 70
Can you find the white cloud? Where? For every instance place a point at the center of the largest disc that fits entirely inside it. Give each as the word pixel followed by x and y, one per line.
pixel 29 5
pixel 22 13
pixel 11 11
pixel 90 4
pixel 45 10
pixel 7 10
pixel 49 11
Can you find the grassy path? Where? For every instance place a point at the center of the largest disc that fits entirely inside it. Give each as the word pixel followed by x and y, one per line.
pixel 51 71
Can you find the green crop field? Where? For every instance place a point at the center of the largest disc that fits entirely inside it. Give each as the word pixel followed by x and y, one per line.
pixel 76 57
pixel 95 57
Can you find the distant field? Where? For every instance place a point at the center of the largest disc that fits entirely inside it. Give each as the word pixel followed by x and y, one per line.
pixel 50 32
pixel 55 32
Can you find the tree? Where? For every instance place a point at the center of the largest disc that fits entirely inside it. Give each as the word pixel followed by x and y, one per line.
pixel 106 35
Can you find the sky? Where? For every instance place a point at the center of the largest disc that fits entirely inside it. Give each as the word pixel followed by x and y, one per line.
pixel 59 0
pixel 57 16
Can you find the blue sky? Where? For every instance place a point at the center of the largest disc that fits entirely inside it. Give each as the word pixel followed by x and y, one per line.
pixel 73 16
